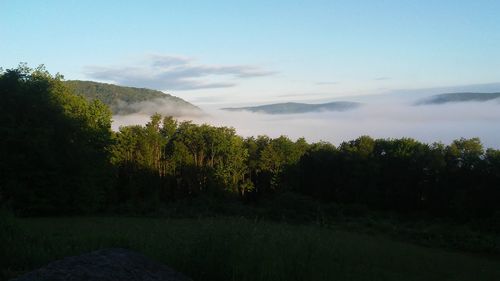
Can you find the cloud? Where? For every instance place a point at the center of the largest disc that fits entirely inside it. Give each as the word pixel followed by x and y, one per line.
pixel 142 112
pixel 382 116
pixel 304 95
pixel 327 83
pixel 162 61
pixel 208 99
pixel 175 73
pixel 389 120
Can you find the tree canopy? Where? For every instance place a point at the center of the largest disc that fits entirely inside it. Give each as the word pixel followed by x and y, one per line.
pixel 54 144
pixel 60 156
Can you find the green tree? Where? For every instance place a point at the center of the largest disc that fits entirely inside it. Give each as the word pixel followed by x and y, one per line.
pixel 54 145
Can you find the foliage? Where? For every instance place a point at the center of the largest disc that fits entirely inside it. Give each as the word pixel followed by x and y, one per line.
pixel 60 156
pixel 406 176
pixel 124 100
pixel 182 159
pixel 54 145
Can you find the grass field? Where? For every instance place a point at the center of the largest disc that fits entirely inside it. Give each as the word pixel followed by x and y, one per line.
pixel 237 249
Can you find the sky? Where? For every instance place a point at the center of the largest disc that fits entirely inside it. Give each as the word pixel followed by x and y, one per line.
pixel 386 54
pixel 254 52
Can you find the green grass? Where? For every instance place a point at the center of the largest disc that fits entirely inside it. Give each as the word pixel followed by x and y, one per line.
pixel 237 249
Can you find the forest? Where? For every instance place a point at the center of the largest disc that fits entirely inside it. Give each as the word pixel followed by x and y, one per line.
pixel 60 157
pixel 280 209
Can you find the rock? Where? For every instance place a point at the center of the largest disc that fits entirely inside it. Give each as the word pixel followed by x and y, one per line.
pixel 104 265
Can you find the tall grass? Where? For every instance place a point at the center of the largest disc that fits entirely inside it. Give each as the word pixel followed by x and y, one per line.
pixel 237 249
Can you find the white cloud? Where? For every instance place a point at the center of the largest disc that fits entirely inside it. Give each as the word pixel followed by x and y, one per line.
pixel 175 73
pixel 429 124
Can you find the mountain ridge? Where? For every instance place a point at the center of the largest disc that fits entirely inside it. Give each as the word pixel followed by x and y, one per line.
pixel 458 97
pixel 124 100
pixel 296 108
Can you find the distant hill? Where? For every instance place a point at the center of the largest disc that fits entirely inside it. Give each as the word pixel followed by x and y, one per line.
pixel 294 108
pixel 127 100
pixel 459 97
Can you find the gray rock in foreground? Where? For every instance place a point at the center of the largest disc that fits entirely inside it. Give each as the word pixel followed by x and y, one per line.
pixel 104 265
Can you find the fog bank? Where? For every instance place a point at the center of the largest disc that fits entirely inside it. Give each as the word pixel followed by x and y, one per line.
pixel 429 123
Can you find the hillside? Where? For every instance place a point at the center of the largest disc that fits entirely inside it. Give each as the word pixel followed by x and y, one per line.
pixel 127 100
pixel 459 97
pixel 294 108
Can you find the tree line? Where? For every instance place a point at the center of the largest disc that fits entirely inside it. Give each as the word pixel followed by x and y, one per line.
pixel 60 156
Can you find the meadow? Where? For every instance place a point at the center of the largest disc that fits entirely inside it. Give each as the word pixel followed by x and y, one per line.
pixel 236 248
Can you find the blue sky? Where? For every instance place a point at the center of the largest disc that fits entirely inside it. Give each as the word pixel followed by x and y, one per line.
pixel 258 51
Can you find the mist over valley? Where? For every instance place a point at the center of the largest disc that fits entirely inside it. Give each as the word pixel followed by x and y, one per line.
pixel 419 114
